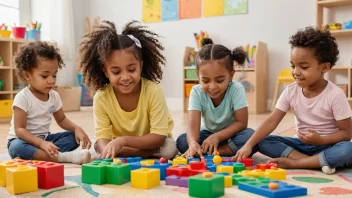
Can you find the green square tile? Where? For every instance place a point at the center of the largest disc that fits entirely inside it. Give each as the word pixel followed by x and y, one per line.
pixel 198 186
pixel 118 174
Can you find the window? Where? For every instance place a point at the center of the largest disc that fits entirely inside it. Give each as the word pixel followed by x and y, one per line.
pixel 9 12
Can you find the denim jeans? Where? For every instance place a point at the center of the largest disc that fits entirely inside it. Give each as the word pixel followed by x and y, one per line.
pixel 334 156
pixel 235 142
pixel 19 148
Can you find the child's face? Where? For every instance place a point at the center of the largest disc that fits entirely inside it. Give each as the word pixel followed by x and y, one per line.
pixel 305 67
pixel 124 71
pixel 214 78
pixel 43 77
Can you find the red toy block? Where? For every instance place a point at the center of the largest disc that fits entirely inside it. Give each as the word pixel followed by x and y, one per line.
pixel 247 162
pixel 263 167
pixel 196 172
pixel 184 172
pixel 197 165
pixel 50 174
pixel 171 171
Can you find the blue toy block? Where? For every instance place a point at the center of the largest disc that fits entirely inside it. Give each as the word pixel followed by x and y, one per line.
pixel 208 157
pixel 193 160
pixel 260 187
pixel 228 163
pixel 131 159
pixel 162 167
pixel 135 165
pixel 212 168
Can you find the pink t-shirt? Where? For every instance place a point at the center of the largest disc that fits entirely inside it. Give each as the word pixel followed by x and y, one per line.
pixel 319 113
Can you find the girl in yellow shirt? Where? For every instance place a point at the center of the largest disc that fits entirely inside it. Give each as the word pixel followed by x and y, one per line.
pixel 130 113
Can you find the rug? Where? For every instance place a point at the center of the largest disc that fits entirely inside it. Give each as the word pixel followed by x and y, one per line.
pixel 317 183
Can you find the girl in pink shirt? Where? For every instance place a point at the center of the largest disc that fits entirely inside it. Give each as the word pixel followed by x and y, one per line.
pixel 322 112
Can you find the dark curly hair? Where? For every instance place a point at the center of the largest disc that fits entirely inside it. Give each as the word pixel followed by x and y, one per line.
pixel 211 51
pixel 323 43
pixel 26 57
pixel 97 46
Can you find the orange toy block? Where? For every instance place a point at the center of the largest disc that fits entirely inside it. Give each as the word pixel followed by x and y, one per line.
pixel 21 179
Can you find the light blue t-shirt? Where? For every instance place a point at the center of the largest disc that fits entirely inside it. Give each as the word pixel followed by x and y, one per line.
pixel 217 118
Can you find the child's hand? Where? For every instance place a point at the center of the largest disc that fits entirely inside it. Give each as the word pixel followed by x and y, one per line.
pixel 50 148
pixel 112 148
pixel 243 153
pixel 210 144
pixel 81 137
pixel 194 149
pixel 312 137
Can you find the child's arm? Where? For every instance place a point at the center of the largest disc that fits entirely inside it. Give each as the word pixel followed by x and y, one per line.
pixel 264 130
pixel 20 122
pixel 66 124
pixel 343 134
pixel 193 131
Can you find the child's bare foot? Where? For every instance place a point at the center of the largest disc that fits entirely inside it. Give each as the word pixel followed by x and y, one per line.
pixel 283 162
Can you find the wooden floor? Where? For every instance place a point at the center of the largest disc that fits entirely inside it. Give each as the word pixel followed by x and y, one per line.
pixel 84 118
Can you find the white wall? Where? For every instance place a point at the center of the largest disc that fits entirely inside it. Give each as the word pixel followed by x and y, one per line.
pixel 270 21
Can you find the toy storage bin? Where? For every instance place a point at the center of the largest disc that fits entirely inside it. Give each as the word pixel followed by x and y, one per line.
pixel 6 108
pixel 191 74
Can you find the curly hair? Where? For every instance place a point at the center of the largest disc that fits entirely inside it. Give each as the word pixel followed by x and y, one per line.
pixel 97 46
pixel 26 57
pixel 323 43
pixel 211 51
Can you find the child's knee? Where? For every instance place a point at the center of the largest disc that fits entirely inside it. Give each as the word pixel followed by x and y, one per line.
pixel 19 148
pixel 181 143
pixel 168 149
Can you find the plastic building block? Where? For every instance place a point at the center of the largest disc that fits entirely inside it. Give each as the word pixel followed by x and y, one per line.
pixel 204 185
pixel 253 173
pixel 94 172
pixel 118 174
pixel 50 174
pixel 260 187
pixel 212 168
pixel 276 174
pixel 117 161
pixel 263 167
pixel 227 169
pixel 197 165
pixel 227 159
pixel 238 167
pixel 227 181
pixel 247 162
pixel 135 165
pixel 163 160
pixel 162 167
pixel 174 180
pixel 147 162
pixel 130 159
pixel 236 178
pixel 217 159
pixel 189 160
pixel 3 167
pixel 145 178
pixel 179 160
pixel 21 179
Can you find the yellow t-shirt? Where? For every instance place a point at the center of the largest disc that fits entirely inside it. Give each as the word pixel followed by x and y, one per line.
pixel 151 115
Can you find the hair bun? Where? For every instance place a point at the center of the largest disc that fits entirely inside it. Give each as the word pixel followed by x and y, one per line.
pixel 206 41
pixel 239 55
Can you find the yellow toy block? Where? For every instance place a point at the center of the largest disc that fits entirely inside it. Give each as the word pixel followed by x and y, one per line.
pixel 147 162
pixel 145 178
pixel 224 169
pixel 117 161
pixel 21 179
pixel 276 174
pixel 228 181
pixel 179 160
pixel 3 167
pixel 253 173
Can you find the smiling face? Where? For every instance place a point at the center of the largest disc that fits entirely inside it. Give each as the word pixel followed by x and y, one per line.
pixel 306 69
pixel 124 71
pixel 214 78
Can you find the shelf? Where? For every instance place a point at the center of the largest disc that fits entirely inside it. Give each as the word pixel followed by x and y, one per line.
pixel 342 67
pixel 341 32
pixel 189 67
pixel 5 92
pixel 191 80
pixel 6 67
pixel 14 40
pixel 334 3
pixel 16 91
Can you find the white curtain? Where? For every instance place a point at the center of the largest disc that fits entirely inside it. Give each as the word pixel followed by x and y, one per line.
pixel 57 21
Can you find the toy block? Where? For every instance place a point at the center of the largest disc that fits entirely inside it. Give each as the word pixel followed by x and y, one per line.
pixel 217 159
pixel 21 179
pixel 276 174
pixel 118 174
pixel 247 162
pixel 3 167
pixel 147 162
pixel 206 185
pixel 135 165
pixel 163 160
pixel 117 161
pixel 227 181
pixel 189 160
pixel 197 165
pixel 94 172
pixel 263 167
pixel 162 167
pixel 184 171
pixel 50 174
pixel 261 187
pixel 236 178
pixel 171 170
pixel 253 173
pixel 145 178
pixel 227 159
pixel 174 180
pixel 238 167
pixel 227 169
pixel 196 172
pixel 208 157
pixel 212 168
pixel 179 160
pixel 130 159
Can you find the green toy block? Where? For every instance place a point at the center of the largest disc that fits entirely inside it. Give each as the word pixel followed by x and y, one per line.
pixel 199 186
pixel 94 173
pixel 238 167
pixel 239 178
pixel 118 174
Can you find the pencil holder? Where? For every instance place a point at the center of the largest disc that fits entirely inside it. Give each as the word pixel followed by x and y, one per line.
pixel 5 33
pixel 33 35
pixel 18 32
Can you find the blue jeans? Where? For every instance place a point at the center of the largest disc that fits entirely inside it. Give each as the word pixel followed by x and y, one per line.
pixel 334 156
pixel 19 148
pixel 235 142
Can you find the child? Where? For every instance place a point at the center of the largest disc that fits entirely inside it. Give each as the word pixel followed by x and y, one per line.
pixel 322 112
pixel 130 113
pixel 218 113
pixel 34 106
